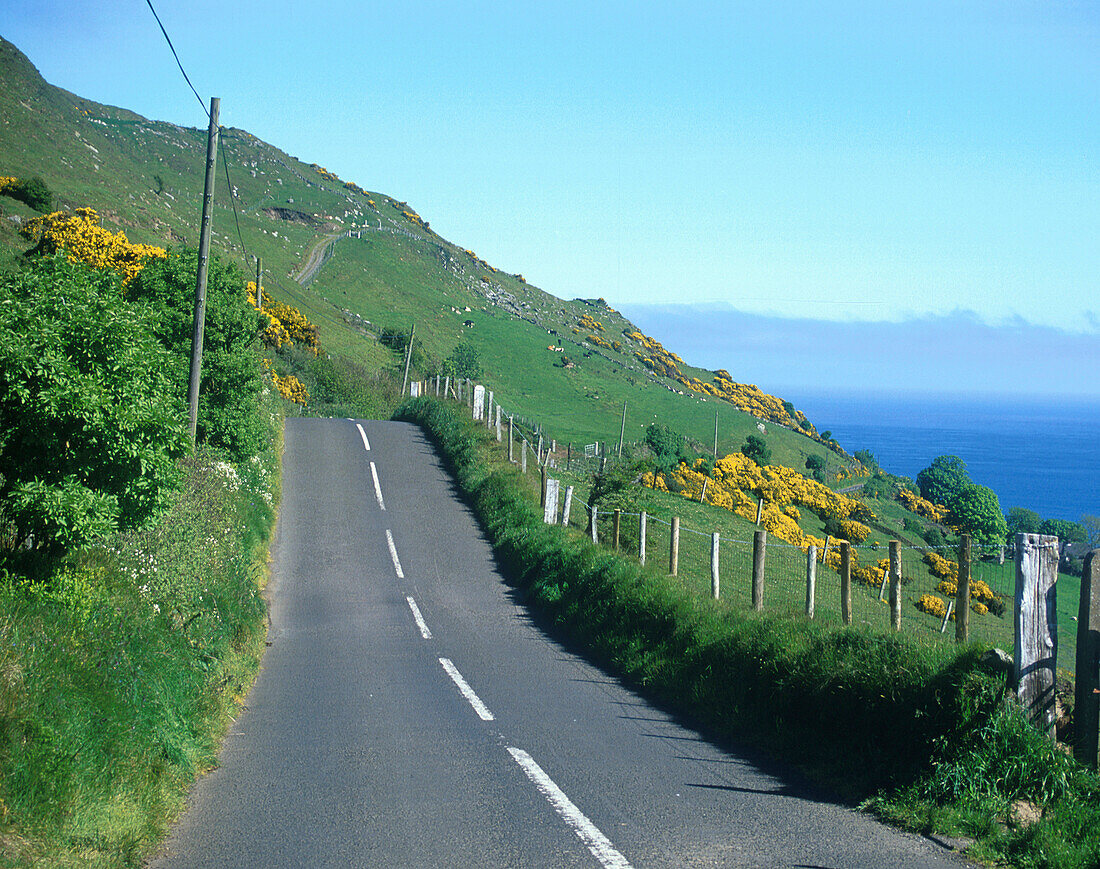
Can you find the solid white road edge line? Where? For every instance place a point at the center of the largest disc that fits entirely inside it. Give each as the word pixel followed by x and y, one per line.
pixel 597 842
pixel 363 434
pixel 420 623
pixel 393 555
pixel 377 486
pixel 463 686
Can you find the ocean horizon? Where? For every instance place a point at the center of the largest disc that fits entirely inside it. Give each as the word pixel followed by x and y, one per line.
pixel 1037 452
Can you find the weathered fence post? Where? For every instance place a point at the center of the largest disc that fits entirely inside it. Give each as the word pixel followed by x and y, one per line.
pixel 962 593
pixel 498 424
pixel 895 585
pixel 714 578
pixel 1036 626
pixel 759 510
pixel 511 436
pixel 1086 712
pixel 594 530
pixel 447 386
pixel 615 526
pixel 550 501
pixel 568 455
pixel 489 410
pixel 568 504
pixel 641 536
pixel 759 549
pixel 811 580
pixel 523 457
pixel 542 484
pixel 674 546
pixel 479 402
pixel 846 582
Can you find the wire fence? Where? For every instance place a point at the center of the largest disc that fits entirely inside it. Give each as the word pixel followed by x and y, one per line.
pixel 928 575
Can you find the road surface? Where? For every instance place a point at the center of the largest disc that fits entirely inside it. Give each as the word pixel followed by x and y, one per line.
pixel 409 714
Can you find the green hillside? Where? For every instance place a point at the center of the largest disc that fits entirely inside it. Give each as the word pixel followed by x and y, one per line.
pixel 145 178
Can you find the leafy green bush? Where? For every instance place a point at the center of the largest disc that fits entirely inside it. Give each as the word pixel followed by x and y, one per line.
pixel 756 448
pixel 231 416
pixel 89 418
pixel 33 192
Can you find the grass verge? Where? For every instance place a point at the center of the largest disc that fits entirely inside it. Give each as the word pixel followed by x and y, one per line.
pixel 121 666
pixel 938 749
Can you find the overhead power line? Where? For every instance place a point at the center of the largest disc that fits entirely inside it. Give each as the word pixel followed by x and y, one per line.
pixel 168 39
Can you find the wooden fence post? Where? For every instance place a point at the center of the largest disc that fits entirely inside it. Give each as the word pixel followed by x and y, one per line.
pixel 511 435
pixel 1036 626
pixel 523 457
pixel 542 486
pixel 641 537
pixel 1086 712
pixel 962 593
pixel 615 525
pixel 595 533
pixel 568 505
pixel 674 546
pixel 759 549
pixel 759 510
pixel 479 402
pixel 550 501
pixel 895 585
pixel 811 580
pixel 846 582
pixel 498 424
pixel 714 578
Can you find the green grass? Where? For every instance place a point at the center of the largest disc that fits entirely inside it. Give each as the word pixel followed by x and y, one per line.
pixel 121 666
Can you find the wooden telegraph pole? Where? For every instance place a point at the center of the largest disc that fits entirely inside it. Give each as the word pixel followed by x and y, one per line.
pixel 259 289
pixel 200 280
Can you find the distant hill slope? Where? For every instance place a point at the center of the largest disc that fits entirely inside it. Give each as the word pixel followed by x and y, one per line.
pixel 385 268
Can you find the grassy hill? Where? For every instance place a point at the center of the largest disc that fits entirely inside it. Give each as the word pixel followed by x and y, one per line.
pixel 145 177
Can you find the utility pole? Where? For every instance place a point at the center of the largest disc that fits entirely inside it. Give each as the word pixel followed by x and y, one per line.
pixel 622 431
pixel 408 359
pixel 259 289
pixel 200 280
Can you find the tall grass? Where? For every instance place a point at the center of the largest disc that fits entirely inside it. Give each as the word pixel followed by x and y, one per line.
pixel 121 667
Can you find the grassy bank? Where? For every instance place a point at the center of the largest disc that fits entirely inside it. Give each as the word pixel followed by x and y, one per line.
pixel 934 745
pixel 121 665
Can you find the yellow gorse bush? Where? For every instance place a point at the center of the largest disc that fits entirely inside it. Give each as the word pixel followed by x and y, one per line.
pixel 286 324
pixel 932 605
pixel 84 240
pixel 290 387
pixel 735 477
pixel 6 183
pixel 921 506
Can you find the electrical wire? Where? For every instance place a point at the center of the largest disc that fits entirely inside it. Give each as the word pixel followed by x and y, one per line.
pixel 206 111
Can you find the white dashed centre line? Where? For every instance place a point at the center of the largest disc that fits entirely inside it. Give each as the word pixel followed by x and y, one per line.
pixel 377 486
pixel 363 435
pixel 393 555
pixel 420 623
pixel 463 686
pixel 597 842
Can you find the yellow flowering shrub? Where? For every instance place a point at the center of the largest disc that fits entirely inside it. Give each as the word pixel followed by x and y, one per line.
pixel 286 324
pixel 932 605
pixel 6 183
pixel 84 240
pixel 941 567
pixel 854 531
pixel 979 607
pixel 587 322
pixel 947 587
pixel 921 506
pixel 290 387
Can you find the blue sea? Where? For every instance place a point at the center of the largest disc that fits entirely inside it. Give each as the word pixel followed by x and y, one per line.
pixel 1038 453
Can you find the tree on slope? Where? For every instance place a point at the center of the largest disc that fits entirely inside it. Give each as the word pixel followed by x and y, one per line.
pixel 943 479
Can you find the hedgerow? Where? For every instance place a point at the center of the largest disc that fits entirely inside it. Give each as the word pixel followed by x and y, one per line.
pixel 810 690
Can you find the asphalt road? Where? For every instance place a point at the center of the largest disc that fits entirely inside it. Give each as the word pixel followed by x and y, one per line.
pixel 408 712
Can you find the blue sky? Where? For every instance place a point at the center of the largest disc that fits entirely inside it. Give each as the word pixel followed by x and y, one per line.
pixel 913 163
